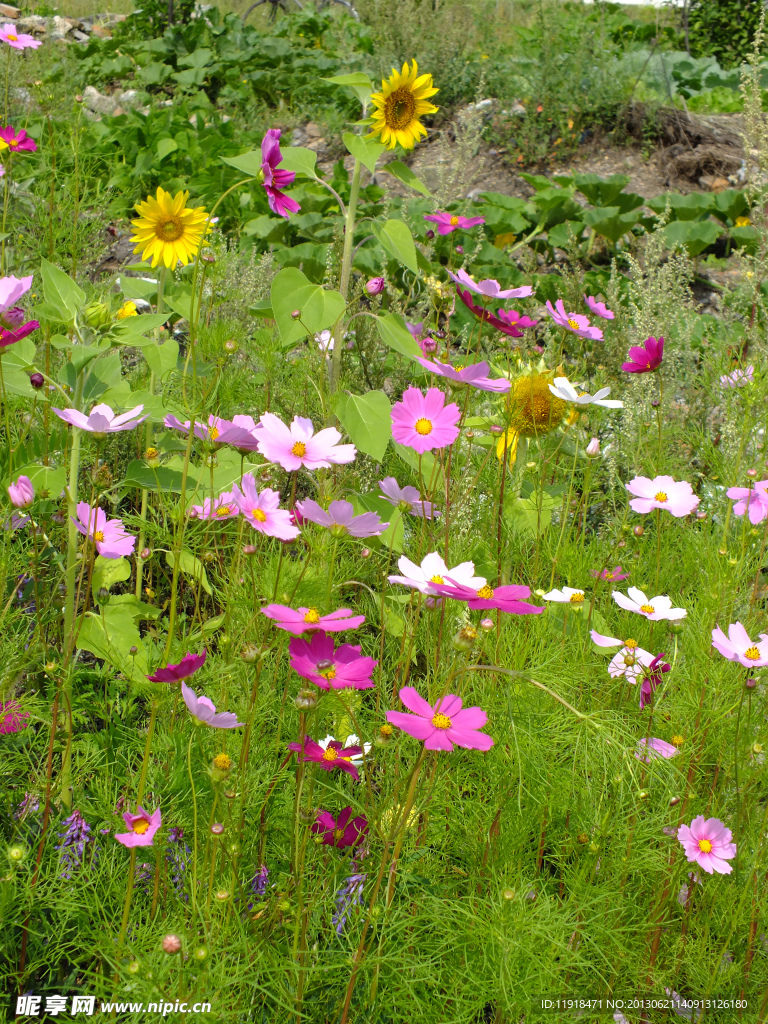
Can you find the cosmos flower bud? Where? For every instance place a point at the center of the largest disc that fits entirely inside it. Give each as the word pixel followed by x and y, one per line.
pixel 465 638
pixel 593 448
pixel 134 967
pixel 200 954
pixel 296 314
pixel 375 286
pixel 638 531
pixel 250 654
pixel 22 493
pixel 217 829
pixel 750 683
pixel 306 699
pixel 428 345
pixel 36 380
pixel 171 944
pixel 17 853
pixel 365 553
pixel 145 553
pixel 430 234
pixel 230 345
pixel 249 549
pixel 103 595
pixel 487 625
pixel 12 318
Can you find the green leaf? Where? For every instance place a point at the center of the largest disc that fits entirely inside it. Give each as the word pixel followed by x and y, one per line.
pixel 132 329
pixel 395 334
pixel 696 236
pixel 161 359
pixel 190 566
pixel 48 481
pixel 60 291
pixel 320 307
pixel 396 237
pixel 161 478
pixel 609 222
pixel 404 173
pixel 165 147
pixel 432 474
pixel 263 310
pixel 248 163
pixel 367 419
pixel 110 635
pixel 600 191
pixel 359 83
pixel 180 303
pixel 136 288
pixel 522 514
pixel 394 533
pixel 108 571
pixel 367 151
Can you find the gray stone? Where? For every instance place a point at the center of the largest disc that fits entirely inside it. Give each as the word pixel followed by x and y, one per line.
pixel 33 23
pixel 98 102
pixel 128 98
pixel 59 28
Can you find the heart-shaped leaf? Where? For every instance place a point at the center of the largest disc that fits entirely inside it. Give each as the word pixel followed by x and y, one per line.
pixel 404 173
pixel 319 307
pixel 367 419
pixel 395 334
pixel 367 151
pixel 397 239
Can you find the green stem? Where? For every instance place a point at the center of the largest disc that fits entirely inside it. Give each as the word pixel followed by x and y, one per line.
pixel 346 273
pixel 6 416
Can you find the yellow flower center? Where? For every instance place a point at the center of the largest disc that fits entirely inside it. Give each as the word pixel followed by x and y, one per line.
pixel 338 835
pixel 399 109
pixel 259 516
pixel 573 324
pixel 140 827
pixel 223 762
pixel 299 450
pixel 15 39
pixel 223 510
pixel 151 453
pixel 328 673
pixel 170 229
pixel 330 754
pixel 454 221
pixel 423 426
pixel 577 598
pixel 532 406
pixel 13 143
pixel 661 496
pixel 486 592
pixel 214 433
pixel 436 579
pixel 647 608
pixel 386 730
pixel 631 644
pixel 312 616
pixel 752 653
pixel 705 846
pixel 608 576
pixel 677 741
pixel 441 721
pixel 99 536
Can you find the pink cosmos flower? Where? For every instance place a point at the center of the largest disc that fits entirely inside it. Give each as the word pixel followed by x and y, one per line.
pixel 11 290
pixel 443 725
pixel 507 599
pixel 654 608
pixel 738 378
pixel 238 431
pixel 142 827
pixel 275 179
pixel 448 222
pixel 298 622
pixel 490 288
pixel 204 710
pixel 662 492
pixel 645 358
pixel 17 142
pixel 614 574
pixel 426 342
pixel 512 318
pixel 333 756
pixel 18 40
pixel 738 647
pixel 434 571
pixel 101 420
pixel 375 286
pixel 652 679
pixel 755 498
pixel 262 510
pixel 510 326
pixel 187 667
pixel 574 322
pixel 12 718
pixel 653 747
pixel 425 422
pixel 343 668
pixel 598 308
pixel 342 831
pixel 109 536
pixel 296 446
pixel 475 375
pixel 341 519
pixel 707 842
pixel 22 493
pixel 407 498
pixel 223 507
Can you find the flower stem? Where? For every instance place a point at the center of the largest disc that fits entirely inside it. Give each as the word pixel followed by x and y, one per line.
pixel 346 273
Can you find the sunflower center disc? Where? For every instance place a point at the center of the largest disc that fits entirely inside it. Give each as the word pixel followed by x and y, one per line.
pixel 400 108
pixel 169 230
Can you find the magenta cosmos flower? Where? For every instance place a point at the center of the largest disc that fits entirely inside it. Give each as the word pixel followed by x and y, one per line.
pixel 511 318
pixel 645 358
pixel 652 679
pixel 614 575
pixel 109 536
pixel 17 142
pixel 101 420
pixel 490 288
pixel 223 507
pixel 654 608
pixel 738 378
pixel 598 308
pixel 574 322
pixel 304 619
pixel 443 725
pixel 340 669
pixel 22 493
pixel 475 375
pixel 262 511
pixel 662 492
pixel 738 647
pixel 238 431
pixel 754 498
pixel 653 748
pixel 11 337
pixel 407 498
pixel 298 445
pixel 342 831
pixel 334 755
pixel 508 599
pixel 204 710
pixel 448 222
pixel 341 519
pixel 12 718
pixel 425 422
pixel 510 326
pixel 707 842
pixel 275 179
pixel 185 668
pixel 18 40
pixel 142 827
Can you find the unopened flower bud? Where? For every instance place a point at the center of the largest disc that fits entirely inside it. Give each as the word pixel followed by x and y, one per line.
pixel 209 557
pixel 36 380
pixel 171 944
pixel 655 403
pixel 430 234
pixel 428 345
pixel 643 794
pixel 306 699
pixel 751 473
pixel 145 553
pixel 249 549
pixel 134 967
pixel 375 286
pixel 209 257
pixel 676 627
pixel 496 428
pixel 250 654
pixel 200 954
pixel 674 801
pixel 17 853
pixel 296 314
pixel 638 530
pixel 103 595
pixel 230 345
pixel 97 315
pixel 365 553
pixel 459 248
pixel 487 625
pixel 469 433
pixel 750 683
pixel 701 515
pixel 217 829
pixel 22 493
pixel 133 650
pixel 593 448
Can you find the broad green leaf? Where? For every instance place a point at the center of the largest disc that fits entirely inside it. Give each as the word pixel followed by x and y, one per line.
pixel 60 291
pixel 180 303
pixel 609 222
pixel 160 478
pixel 300 160
pixel 18 360
pixel 746 237
pixel 696 236
pixel 110 634
pixel 48 481
pixel 600 191
pixel 165 147
pixel 108 571
pixel 358 82
pixel 367 151
pixel 137 288
pixel 396 237
pixel 522 514
pixel 190 565
pixel 395 334
pixel 132 330
pixel 404 173
pixel 320 307
pixel 692 206
pixel 367 419
pixel 248 163
pixel 161 359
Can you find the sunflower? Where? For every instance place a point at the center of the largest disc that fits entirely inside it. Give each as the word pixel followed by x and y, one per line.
pixel 399 105
pixel 166 230
pixel 532 410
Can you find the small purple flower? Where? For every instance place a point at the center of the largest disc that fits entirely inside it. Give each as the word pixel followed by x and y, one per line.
pixel 407 498
pixel 598 308
pixel 29 805
pixel 274 179
pixel 426 342
pixel 341 519
pixel 738 378
pixel 177 855
pixel 74 840
pixel 375 286
pixel 259 884
pixel 187 667
pixel 350 894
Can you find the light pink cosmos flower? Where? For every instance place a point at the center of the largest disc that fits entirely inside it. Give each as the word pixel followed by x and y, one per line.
pixel 273 178
pixel 340 518
pixel 433 570
pixel 22 493
pixel 475 375
pixel 662 492
pixel 142 827
pixel 223 507
pixel 707 842
pixel 109 536
pixel 574 322
pixel 101 420
pixel 18 40
pixel 755 498
pixel 262 510
pixel 304 620
pixel 654 608
pixel 630 662
pixel 298 445
pixel 238 431
pixel 448 222
pixel 614 574
pixel 341 668
pixel 11 290
pixel 443 725
pixel 425 422
pixel 407 498
pixel 738 378
pixel 738 647
pixel 490 287
pixel 654 748
pixel 204 710
pixel 598 308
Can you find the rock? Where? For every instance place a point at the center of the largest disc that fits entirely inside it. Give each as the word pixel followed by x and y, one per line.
pixel 129 98
pixel 81 37
pixel 713 182
pixel 313 130
pixel 8 11
pixel 33 23
pixel 98 102
pixel 59 27
pixel 22 96
pixel 318 146
pixel 298 137
pixel 101 32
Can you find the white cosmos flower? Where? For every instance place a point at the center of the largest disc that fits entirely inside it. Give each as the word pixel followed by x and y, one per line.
pixel 434 570
pixel 562 388
pixel 653 608
pixel 629 662
pixel 565 596
pixel 350 741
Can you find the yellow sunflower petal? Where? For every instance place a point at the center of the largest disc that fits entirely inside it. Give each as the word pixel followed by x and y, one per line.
pixel 507 443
